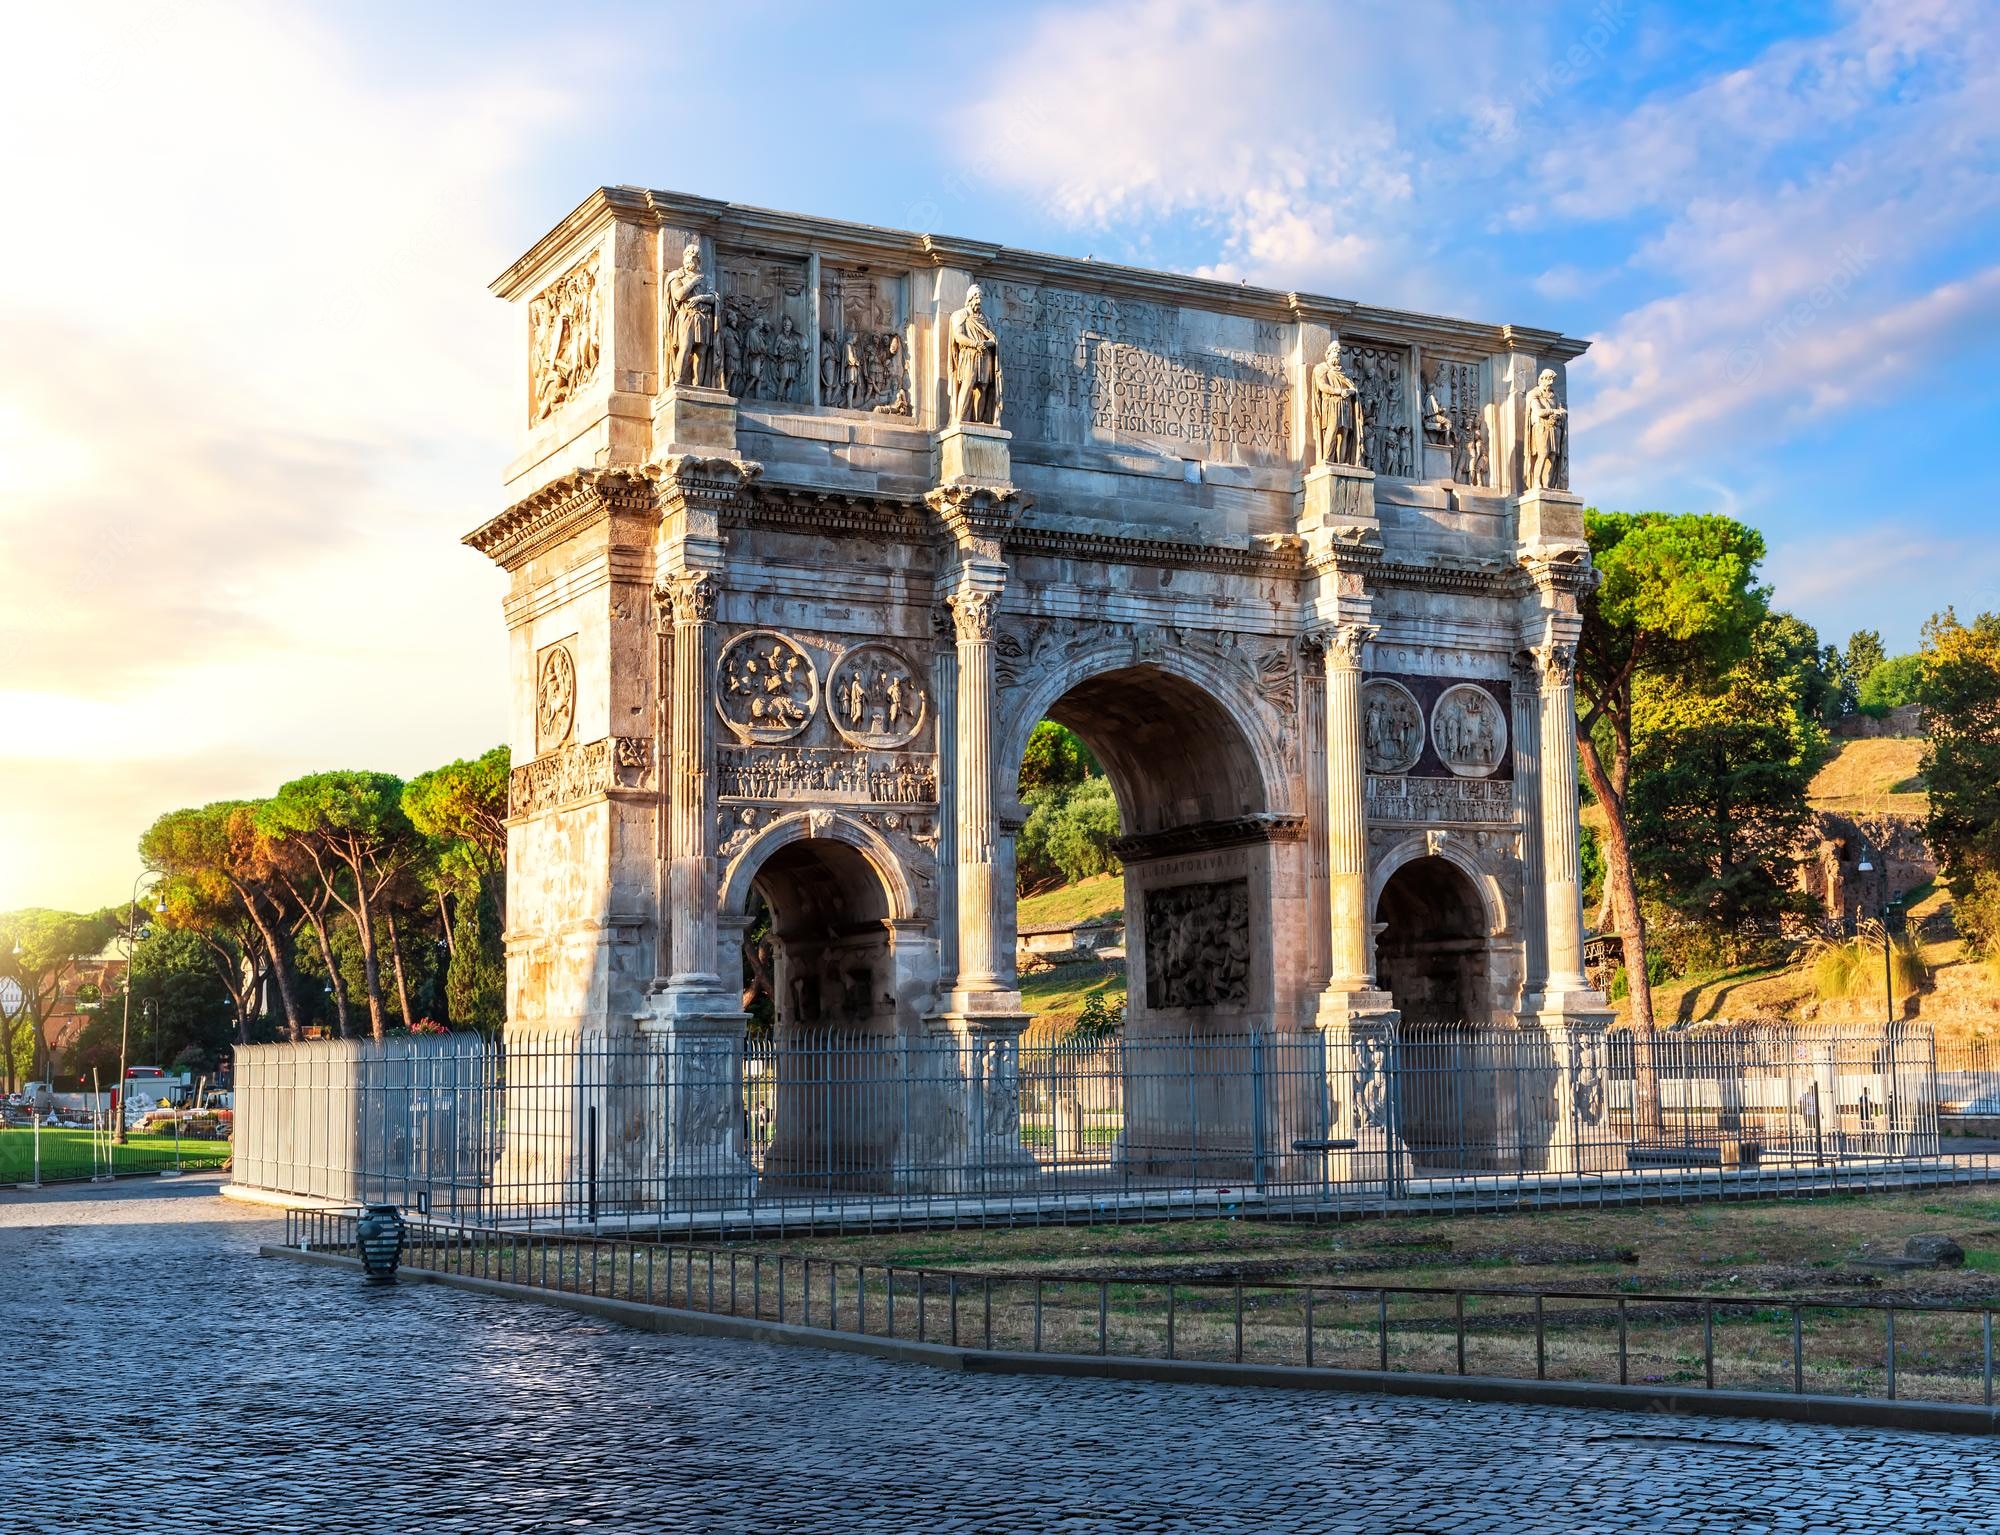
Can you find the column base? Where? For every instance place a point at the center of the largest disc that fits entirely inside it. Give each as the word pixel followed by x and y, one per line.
pixel 1577 1137
pixel 988 1151
pixel 1359 1029
pixel 969 453
pixel 703 1162
pixel 691 420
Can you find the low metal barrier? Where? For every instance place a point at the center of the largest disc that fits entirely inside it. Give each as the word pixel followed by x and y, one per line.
pixel 1865 1349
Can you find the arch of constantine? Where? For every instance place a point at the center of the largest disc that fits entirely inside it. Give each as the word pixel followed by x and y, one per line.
pixel 812 522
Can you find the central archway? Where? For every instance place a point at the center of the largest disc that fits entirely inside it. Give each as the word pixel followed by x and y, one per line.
pixel 1214 875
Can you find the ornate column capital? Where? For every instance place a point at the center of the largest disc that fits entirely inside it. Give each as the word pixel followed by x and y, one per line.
pixel 1554 664
pixel 1340 644
pixel 973 611
pixel 1560 574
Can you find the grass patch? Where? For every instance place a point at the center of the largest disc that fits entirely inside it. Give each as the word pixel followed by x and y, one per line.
pixel 66 1154
pixel 1102 895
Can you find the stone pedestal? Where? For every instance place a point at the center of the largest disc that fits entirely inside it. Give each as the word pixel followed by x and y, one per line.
pixel 1577 1138
pixel 1360 1087
pixel 691 420
pixel 1550 517
pixel 1339 494
pixel 697 1061
pixel 973 454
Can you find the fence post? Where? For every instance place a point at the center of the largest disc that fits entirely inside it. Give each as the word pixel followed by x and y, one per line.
pixel 953 1281
pixel 987 1333
pixel 1038 1316
pixel 1541 1344
pixel 1889 1338
pixel 1170 1325
pixel 1239 1321
pixel 1382 1330
pixel 1624 1356
pixel 1708 1344
pixel 1987 1353
pixel 1458 1310
pixel 1103 1316
pixel 1257 1116
pixel 1798 1350
pixel 1310 1295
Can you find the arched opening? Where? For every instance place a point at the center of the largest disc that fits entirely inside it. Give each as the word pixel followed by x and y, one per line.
pixel 1182 1086
pixel 815 1099
pixel 1432 954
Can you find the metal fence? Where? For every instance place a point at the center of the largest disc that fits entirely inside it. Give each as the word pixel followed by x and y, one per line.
pixel 1866 1349
pixel 715 1130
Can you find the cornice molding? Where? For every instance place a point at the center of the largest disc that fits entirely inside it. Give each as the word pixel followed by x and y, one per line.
pixel 1208 836
pixel 559 509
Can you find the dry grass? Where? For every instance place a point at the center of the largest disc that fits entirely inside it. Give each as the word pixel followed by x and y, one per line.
pixel 1102 895
pixel 1873 778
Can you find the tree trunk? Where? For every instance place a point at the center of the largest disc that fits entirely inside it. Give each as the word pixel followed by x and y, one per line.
pixel 278 958
pixel 402 983
pixel 371 960
pixel 1622 884
pixel 444 919
pixel 333 981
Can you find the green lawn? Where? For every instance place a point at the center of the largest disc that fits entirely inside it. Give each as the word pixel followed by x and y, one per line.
pixel 66 1154
pixel 1102 895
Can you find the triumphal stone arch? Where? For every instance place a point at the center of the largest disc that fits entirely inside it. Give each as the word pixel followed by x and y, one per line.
pixel 812 522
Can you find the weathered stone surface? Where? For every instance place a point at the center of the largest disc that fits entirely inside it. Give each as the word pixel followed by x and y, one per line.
pixel 1937 1250
pixel 859 508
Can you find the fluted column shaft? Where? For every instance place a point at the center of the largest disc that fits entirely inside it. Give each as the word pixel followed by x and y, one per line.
pixel 979 963
pixel 1346 809
pixel 691 810
pixel 1562 874
pixel 1528 802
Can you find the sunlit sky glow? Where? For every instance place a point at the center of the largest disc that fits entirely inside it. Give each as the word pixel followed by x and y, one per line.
pixel 254 388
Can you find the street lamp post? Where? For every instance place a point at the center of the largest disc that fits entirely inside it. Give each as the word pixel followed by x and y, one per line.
pixel 131 935
pixel 1888 957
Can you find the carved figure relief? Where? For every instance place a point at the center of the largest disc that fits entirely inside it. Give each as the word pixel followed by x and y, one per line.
pixel 1337 411
pixel 1426 801
pixel 1392 727
pixel 1198 944
pixel 766 688
pixel 763 300
pixel 1547 436
pixel 864 363
pixel 878 700
pixel 1587 1076
pixel 1371 1082
pixel 1378 373
pixel 795 773
pixel 563 339
pixel 572 772
pixel 555 697
pixel 1469 730
pixel 693 321
pixel 974 364
pixel 1451 405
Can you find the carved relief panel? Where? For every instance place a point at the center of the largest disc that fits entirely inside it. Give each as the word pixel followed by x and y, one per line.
pixel 1198 944
pixel 555 695
pixel 564 339
pixel 766 687
pixel 878 697
pixel 863 348
pixel 1469 730
pixel 1392 724
pixel 1382 374
pixel 1454 433
pixel 766 327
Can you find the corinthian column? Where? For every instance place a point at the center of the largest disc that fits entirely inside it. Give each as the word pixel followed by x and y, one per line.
pixel 1347 810
pixel 691 807
pixel 979 964
pixel 1562 876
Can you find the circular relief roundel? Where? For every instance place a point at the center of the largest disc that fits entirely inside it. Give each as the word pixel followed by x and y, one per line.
pixel 875 697
pixel 555 698
pixel 1469 730
pixel 765 686
pixel 1392 727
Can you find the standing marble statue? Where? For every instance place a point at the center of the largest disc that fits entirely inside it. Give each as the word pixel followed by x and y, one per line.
pixel 695 310
pixel 1336 410
pixel 975 366
pixel 1548 435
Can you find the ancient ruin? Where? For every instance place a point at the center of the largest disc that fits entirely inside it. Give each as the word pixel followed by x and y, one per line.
pixel 812 522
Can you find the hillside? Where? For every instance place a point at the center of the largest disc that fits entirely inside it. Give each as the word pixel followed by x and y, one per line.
pixel 1879 777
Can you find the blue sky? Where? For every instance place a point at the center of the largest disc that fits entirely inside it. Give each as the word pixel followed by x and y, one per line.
pixel 256 388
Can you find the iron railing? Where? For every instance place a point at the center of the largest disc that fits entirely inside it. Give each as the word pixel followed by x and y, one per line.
pixel 711 1130
pixel 1878 1350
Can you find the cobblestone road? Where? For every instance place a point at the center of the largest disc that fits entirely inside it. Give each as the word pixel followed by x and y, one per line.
pixel 162 1377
